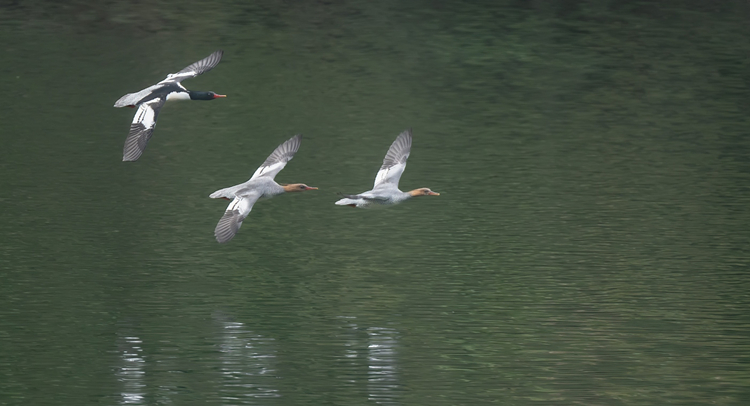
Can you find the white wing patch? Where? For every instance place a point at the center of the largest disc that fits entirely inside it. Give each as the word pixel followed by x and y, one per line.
pixel 394 162
pixel 141 129
pixel 243 204
pixel 278 166
pixel 390 175
pixel 179 77
pixel 233 217
pixel 146 115
pixel 186 74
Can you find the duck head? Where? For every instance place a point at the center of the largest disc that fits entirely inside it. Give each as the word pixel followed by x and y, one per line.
pixel 297 187
pixel 204 95
pixel 423 192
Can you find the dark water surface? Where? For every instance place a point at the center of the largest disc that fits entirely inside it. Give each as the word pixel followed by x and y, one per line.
pixel 590 245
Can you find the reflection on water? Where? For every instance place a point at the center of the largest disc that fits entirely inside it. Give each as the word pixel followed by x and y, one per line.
pixel 131 373
pixel 247 363
pixel 370 353
pixel 366 361
pixel 382 378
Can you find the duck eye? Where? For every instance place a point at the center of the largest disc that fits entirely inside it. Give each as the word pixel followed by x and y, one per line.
pixel 301 186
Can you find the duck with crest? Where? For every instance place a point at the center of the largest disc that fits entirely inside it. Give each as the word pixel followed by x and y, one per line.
pixel 260 186
pixel 151 99
pixel 385 191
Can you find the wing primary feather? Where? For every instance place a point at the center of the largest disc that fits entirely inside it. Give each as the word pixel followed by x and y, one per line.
pixel 279 158
pixel 228 225
pixel 141 129
pixel 399 150
pixel 136 142
pixel 394 162
pixel 234 215
pixel 197 68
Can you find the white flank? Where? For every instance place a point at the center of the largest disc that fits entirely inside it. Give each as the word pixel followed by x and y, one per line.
pixel 178 96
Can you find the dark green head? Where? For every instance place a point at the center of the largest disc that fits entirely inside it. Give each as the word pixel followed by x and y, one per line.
pixel 204 95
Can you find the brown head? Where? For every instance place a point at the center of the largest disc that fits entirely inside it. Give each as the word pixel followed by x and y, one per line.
pixel 423 192
pixel 297 187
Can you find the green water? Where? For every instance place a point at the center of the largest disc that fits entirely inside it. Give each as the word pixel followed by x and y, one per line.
pixel 589 246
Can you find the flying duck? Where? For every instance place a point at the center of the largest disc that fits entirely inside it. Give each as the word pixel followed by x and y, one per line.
pixel 386 191
pixel 261 185
pixel 151 99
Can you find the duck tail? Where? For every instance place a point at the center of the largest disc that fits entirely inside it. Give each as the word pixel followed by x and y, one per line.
pixel 346 202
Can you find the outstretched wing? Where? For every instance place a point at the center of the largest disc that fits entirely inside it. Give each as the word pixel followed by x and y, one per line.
pixel 141 128
pixel 132 99
pixel 232 219
pixel 394 162
pixel 197 68
pixel 278 158
pixel 202 66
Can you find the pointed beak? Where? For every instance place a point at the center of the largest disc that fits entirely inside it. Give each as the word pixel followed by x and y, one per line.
pixel 311 188
pixel 433 194
pixel 216 96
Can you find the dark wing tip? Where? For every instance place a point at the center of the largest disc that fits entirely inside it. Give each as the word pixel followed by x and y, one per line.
pixel 399 150
pixel 136 142
pixel 214 58
pixel 406 137
pixel 290 146
pixel 285 152
pixel 209 62
pixel 295 142
pixel 227 227
pixel 204 65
